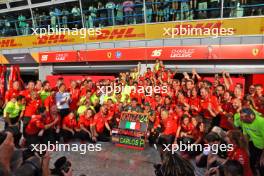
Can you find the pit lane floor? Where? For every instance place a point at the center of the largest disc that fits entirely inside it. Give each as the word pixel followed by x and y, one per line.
pixel 112 161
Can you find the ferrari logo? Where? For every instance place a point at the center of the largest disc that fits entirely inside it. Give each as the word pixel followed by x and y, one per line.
pixel 255 51
pixel 109 55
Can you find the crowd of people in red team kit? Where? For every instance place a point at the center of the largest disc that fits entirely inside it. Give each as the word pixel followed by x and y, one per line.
pixel 186 112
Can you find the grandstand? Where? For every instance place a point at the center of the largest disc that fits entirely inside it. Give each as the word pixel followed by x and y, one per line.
pixel 19 16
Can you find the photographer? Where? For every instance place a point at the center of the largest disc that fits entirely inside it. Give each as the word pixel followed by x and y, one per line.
pixel 229 168
pixel 209 158
pixel 20 162
pixel 6 151
pixel 62 167
pixel 173 165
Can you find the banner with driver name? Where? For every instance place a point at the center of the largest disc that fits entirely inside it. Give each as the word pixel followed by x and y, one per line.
pixel 200 52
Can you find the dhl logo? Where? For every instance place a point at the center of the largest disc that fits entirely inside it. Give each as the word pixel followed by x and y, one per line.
pixel 9 43
pixel 117 34
pixel 210 25
pixel 51 39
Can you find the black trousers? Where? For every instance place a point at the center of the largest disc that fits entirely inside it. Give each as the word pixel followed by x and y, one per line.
pixel 84 136
pixel 26 121
pixel 15 130
pixel 12 121
pixel 63 113
pixel 208 123
pixel 153 136
pixel 166 139
pixel 104 136
pixel 255 154
pixel 32 139
pixel 50 135
pixel 67 135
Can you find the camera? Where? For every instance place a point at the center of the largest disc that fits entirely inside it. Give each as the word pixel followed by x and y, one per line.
pixel 158 169
pixel 61 164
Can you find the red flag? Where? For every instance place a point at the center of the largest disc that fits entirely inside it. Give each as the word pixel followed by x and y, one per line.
pixel 12 77
pixel 2 81
pixel 21 82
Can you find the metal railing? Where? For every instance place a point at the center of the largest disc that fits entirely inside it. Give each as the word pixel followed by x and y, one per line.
pixel 146 12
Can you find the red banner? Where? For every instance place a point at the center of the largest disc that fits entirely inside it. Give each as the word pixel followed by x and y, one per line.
pixel 202 52
pixel 61 56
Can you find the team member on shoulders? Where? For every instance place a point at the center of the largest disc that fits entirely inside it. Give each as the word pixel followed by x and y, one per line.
pixel 27 92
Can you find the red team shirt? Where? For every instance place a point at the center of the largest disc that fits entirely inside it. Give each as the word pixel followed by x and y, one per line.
pixel 259 103
pixel 32 107
pixel 35 125
pixel 70 123
pixel 75 95
pixel 49 119
pixel 171 125
pixel 99 121
pixel 49 102
pixel 85 122
pixel 11 93
pixel 194 101
pixel 241 155
pixel 205 103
